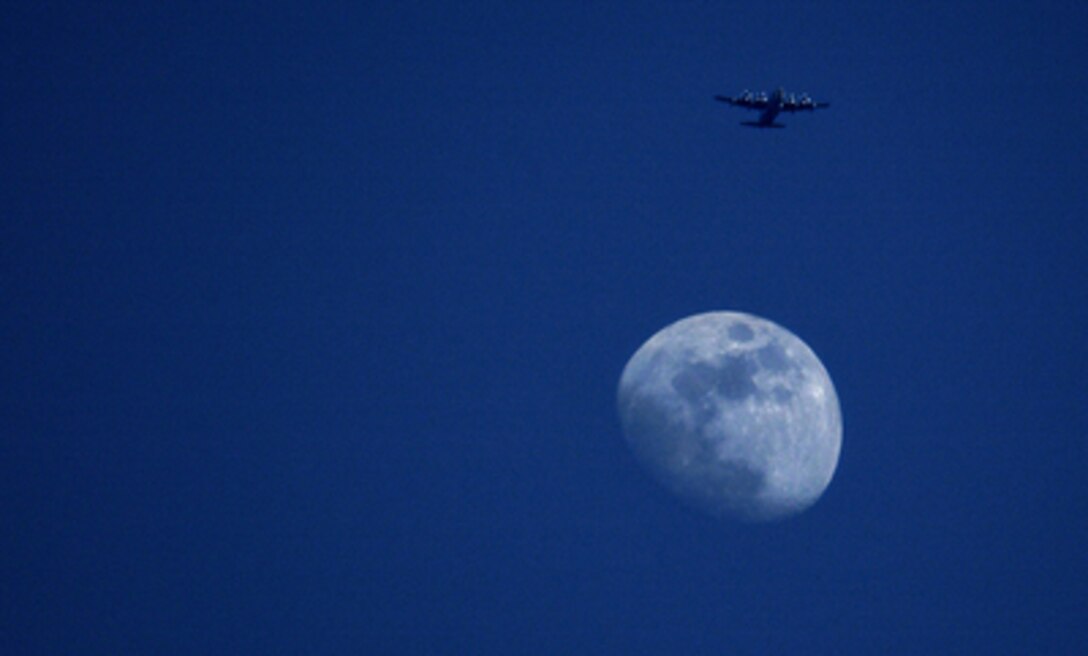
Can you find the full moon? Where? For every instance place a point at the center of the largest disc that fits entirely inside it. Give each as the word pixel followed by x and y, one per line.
pixel 734 414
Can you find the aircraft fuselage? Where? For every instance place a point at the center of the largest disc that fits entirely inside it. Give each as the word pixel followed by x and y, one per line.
pixel 774 108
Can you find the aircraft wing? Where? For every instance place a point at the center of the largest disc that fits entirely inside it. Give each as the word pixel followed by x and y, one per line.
pixel 747 101
pixel 802 104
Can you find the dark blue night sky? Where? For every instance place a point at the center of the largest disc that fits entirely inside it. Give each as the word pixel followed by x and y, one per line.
pixel 313 315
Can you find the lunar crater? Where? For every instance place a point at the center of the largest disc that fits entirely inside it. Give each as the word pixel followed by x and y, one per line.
pixel 735 377
pixel 740 332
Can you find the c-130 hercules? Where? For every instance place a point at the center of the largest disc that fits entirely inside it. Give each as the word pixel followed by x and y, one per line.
pixel 771 106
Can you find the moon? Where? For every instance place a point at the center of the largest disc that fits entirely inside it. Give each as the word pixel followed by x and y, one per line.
pixel 734 414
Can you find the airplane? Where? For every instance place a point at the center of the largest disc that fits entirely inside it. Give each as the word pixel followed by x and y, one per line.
pixel 771 106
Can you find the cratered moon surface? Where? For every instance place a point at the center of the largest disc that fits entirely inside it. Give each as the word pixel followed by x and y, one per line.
pixel 734 414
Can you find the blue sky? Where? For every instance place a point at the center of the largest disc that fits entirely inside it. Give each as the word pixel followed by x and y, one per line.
pixel 313 319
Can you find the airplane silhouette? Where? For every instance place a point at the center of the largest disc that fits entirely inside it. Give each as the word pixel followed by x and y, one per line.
pixel 771 106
